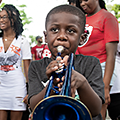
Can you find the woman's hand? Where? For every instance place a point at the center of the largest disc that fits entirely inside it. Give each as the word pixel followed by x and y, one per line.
pixel 107 95
pixel 25 100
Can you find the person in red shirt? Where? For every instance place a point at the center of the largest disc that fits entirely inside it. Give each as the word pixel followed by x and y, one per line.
pixel 40 50
pixel 101 41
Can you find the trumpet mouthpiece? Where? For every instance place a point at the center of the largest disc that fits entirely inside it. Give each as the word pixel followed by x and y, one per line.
pixel 60 48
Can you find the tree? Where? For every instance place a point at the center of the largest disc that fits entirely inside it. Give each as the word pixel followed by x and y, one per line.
pixel 32 40
pixel 116 9
pixel 25 19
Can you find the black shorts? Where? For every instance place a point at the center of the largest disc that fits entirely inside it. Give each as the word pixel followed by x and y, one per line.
pixel 114 106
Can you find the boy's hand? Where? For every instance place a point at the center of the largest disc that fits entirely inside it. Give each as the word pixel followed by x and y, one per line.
pixel 77 81
pixel 54 66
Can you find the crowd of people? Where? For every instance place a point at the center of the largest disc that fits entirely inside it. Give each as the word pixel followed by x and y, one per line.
pixel 95 79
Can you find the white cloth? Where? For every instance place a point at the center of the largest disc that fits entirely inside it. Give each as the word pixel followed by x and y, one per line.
pixel 12 80
pixel 113 76
pixel 116 85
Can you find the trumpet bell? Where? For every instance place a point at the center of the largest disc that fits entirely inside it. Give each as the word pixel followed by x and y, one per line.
pixel 59 107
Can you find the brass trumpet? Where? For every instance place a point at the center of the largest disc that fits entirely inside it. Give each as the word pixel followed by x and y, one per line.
pixel 61 106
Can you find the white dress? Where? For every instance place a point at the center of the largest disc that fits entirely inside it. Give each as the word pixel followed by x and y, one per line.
pixel 12 80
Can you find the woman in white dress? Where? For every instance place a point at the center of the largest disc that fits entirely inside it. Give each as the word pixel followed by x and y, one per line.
pixel 13 49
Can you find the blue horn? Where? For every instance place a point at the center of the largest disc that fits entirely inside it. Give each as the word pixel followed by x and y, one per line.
pixel 61 106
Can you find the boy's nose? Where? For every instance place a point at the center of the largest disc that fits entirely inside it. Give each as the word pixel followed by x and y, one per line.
pixel 62 36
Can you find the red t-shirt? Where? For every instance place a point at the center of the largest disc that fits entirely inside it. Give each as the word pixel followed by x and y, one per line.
pixel 41 51
pixel 103 28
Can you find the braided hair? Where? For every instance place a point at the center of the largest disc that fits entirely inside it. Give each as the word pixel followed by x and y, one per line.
pixel 71 1
pixel 15 20
pixel 102 4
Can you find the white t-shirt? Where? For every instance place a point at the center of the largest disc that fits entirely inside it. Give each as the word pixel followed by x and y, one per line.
pixel 116 85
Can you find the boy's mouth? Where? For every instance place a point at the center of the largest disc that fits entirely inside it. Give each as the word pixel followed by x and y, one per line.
pixel 60 49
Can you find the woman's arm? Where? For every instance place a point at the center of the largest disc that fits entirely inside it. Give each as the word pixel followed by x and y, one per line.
pixel 26 64
pixel 33 56
pixel 111 49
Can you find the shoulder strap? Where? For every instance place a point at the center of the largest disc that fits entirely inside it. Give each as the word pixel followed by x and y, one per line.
pixel 42 50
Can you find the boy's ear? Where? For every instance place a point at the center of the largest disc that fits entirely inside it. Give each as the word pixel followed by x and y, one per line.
pixel 45 35
pixel 83 38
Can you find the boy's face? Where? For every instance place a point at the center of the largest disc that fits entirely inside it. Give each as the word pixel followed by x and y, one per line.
pixel 63 29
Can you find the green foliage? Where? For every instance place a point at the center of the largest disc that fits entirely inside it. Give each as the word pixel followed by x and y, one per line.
pixel 2 5
pixel 32 39
pixel 25 19
pixel 116 9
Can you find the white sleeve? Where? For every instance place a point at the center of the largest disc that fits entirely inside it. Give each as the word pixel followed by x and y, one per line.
pixel 118 48
pixel 25 47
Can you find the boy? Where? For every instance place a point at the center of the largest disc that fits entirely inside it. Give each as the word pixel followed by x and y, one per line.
pixel 64 26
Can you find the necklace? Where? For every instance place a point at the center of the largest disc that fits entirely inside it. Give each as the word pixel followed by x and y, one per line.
pixel 9 39
pixel 5 39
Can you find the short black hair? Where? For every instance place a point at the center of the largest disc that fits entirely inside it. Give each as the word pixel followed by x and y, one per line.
pixel 38 37
pixel 68 9
pixel 13 14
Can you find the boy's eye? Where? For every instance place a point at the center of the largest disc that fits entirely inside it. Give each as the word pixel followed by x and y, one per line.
pixel 54 29
pixel 71 30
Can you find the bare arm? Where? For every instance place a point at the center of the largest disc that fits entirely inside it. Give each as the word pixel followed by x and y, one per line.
pixel 26 64
pixel 111 49
pixel 34 100
pixel 33 56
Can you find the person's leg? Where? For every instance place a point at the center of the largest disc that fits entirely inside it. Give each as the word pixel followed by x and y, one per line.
pixel 114 106
pixel 3 115
pixel 25 115
pixel 8 115
pixel 104 111
pixel 16 115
